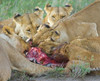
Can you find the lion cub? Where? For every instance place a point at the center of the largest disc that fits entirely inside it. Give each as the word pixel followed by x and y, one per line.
pixel 27 24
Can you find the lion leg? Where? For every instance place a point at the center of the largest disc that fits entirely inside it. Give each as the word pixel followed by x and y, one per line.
pixel 77 68
pixel 20 63
pixel 5 67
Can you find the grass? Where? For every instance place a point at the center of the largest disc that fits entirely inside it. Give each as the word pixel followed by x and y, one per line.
pixel 80 70
pixel 20 76
pixel 9 7
pixel 56 73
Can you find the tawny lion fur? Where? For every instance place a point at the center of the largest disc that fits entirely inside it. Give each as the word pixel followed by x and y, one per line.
pixel 56 13
pixel 81 51
pixel 89 14
pixel 72 28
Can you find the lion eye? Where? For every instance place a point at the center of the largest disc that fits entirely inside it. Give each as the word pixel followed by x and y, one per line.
pixel 52 39
pixel 52 47
pixel 62 16
pixel 56 32
pixel 53 16
pixel 37 27
pixel 28 30
pixel 17 33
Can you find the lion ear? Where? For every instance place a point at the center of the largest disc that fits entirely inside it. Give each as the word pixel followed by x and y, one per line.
pixel 47 8
pixel 68 8
pixel 39 12
pixel 17 18
pixel 17 15
pixel 8 31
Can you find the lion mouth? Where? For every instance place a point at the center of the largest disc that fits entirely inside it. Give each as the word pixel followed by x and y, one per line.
pixel 30 41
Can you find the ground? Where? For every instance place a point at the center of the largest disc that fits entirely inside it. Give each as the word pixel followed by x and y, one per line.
pixel 17 76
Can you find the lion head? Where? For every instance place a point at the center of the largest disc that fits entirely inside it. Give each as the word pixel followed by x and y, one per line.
pixel 15 40
pixel 56 13
pixel 48 46
pixel 45 32
pixel 27 24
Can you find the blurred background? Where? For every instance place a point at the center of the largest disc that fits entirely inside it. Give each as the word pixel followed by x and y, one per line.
pixel 9 7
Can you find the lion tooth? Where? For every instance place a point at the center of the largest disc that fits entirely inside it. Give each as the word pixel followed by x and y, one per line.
pixel 27 40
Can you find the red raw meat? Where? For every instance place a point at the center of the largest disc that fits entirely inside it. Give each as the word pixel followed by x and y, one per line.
pixel 36 55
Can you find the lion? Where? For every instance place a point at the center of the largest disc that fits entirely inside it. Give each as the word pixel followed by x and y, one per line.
pixel 61 33
pixel 72 28
pixel 46 38
pixel 56 13
pixel 78 56
pixel 11 57
pixel 80 24
pixel 27 24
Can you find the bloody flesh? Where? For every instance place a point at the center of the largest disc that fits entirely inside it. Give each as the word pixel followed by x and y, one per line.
pixel 36 55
